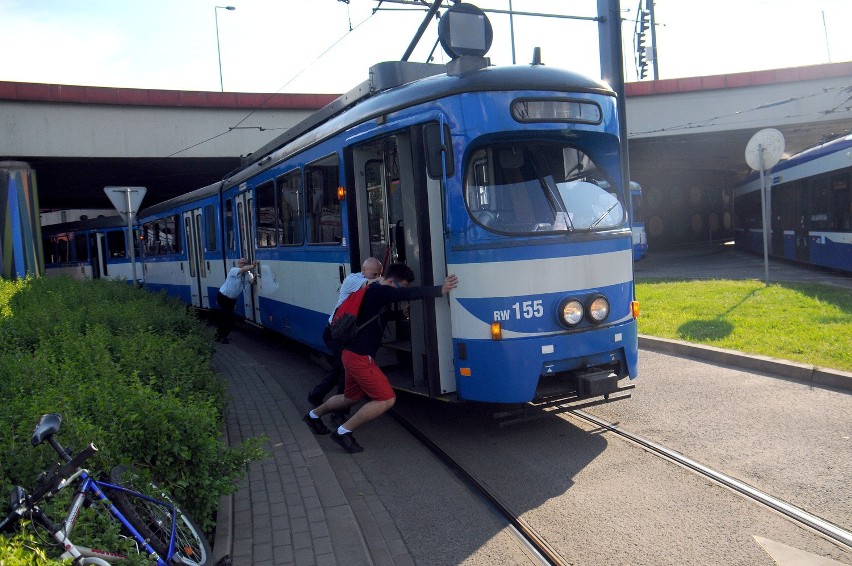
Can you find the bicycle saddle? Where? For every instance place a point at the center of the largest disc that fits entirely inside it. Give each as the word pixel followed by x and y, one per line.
pixel 47 426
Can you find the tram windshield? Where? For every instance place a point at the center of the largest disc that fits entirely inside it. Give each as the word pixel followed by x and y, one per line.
pixel 539 187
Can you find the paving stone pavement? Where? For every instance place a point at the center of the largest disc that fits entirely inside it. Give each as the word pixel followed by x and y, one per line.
pixel 305 507
pixel 293 507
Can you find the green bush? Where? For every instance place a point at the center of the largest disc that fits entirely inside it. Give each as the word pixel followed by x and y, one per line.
pixel 24 550
pixel 129 371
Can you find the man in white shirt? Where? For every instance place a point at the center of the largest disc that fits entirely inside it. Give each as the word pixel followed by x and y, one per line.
pixel 226 299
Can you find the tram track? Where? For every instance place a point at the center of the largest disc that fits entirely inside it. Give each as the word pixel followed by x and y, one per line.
pixel 533 543
pixel 799 516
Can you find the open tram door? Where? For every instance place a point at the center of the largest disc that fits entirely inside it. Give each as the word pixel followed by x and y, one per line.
pixel 197 273
pixel 246 228
pixel 397 217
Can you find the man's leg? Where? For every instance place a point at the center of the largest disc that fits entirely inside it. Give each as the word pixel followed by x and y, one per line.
pixel 368 412
pixel 336 403
pixel 226 315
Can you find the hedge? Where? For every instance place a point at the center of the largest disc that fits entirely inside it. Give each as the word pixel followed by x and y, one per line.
pixel 129 371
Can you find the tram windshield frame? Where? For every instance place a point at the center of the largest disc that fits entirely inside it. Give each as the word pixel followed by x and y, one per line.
pixel 540 187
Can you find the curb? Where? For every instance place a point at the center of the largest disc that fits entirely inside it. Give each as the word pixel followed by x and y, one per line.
pixel 224 535
pixel 806 373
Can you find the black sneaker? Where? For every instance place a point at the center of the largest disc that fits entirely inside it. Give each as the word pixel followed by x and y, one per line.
pixel 316 425
pixel 347 441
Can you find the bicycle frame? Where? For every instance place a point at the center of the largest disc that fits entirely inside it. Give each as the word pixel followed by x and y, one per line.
pixel 25 505
pixel 88 484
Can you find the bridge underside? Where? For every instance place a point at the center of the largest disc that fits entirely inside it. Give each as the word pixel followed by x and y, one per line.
pixel 77 182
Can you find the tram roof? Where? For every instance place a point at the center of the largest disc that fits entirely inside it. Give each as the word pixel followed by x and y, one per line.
pixel 395 85
pixel 804 156
pixel 403 84
pixel 88 224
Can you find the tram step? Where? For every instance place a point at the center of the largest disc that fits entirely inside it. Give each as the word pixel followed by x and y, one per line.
pixel 400 345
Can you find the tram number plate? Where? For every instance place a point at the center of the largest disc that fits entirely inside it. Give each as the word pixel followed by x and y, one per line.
pixel 526 309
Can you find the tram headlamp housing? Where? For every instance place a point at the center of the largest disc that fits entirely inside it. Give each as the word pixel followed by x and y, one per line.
pixel 570 312
pixel 598 308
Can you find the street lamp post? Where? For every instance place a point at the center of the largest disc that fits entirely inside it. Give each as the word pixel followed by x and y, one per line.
pixel 219 51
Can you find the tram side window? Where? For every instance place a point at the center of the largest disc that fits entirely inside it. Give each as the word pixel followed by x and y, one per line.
pixel 63 250
pixel 820 204
pixel 290 208
pixel 325 223
pixel 267 231
pixel 81 247
pixel 210 228
pixel 748 211
pixel 151 231
pixel 230 242
pixel 57 250
pixel 116 244
pixel 842 202
pixel 173 225
pixel 636 203
pixel 161 237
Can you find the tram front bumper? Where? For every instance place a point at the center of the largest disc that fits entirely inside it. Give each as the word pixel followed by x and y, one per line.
pixel 512 370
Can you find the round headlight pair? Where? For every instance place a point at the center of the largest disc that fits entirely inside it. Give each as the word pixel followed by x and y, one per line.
pixel 571 310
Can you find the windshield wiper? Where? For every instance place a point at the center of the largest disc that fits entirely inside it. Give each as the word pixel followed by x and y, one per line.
pixel 604 215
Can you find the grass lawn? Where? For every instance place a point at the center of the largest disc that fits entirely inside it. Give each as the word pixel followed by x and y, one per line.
pixel 807 323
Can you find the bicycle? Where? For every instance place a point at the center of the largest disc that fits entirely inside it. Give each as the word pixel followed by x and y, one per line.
pixel 156 524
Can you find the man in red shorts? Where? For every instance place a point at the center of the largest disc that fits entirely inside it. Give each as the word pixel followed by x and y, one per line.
pixel 363 377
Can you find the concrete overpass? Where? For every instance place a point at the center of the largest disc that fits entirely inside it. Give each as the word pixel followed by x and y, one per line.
pixel 687 137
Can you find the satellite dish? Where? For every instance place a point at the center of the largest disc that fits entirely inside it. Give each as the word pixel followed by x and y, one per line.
pixel 768 141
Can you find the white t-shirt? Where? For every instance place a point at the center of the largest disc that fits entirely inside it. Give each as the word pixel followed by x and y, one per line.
pixel 351 283
pixel 234 283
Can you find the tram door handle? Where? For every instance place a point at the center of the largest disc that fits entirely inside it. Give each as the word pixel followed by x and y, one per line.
pixel 341 272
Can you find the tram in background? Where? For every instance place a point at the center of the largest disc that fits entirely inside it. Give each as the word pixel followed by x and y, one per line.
pixel 810 203
pixel 508 177
pixel 637 222
pixel 90 249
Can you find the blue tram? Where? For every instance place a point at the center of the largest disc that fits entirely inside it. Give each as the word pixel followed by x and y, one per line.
pixel 637 222
pixel 91 249
pixel 810 203
pixel 508 177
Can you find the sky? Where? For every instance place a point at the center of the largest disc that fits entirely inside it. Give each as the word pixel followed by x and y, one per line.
pixel 327 46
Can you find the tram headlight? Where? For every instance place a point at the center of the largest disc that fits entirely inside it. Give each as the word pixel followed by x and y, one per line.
pixel 570 312
pixel 598 308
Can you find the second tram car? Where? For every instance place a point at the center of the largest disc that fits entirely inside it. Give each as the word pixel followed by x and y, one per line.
pixel 508 177
pixel 810 204
pixel 90 249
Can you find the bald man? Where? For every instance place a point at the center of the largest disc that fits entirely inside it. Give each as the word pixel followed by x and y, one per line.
pixel 371 270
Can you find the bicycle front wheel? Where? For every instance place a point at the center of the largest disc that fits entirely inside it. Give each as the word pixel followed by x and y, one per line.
pixel 153 520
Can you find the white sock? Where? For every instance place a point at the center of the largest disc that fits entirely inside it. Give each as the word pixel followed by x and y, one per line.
pixel 341 430
pixel 313 414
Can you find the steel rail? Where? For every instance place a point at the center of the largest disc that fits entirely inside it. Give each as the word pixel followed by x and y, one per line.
pixel 533 542
pixel 830 530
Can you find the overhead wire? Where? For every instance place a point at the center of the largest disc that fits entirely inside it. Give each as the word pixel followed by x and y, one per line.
pixel 714 120
pixel 270 96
